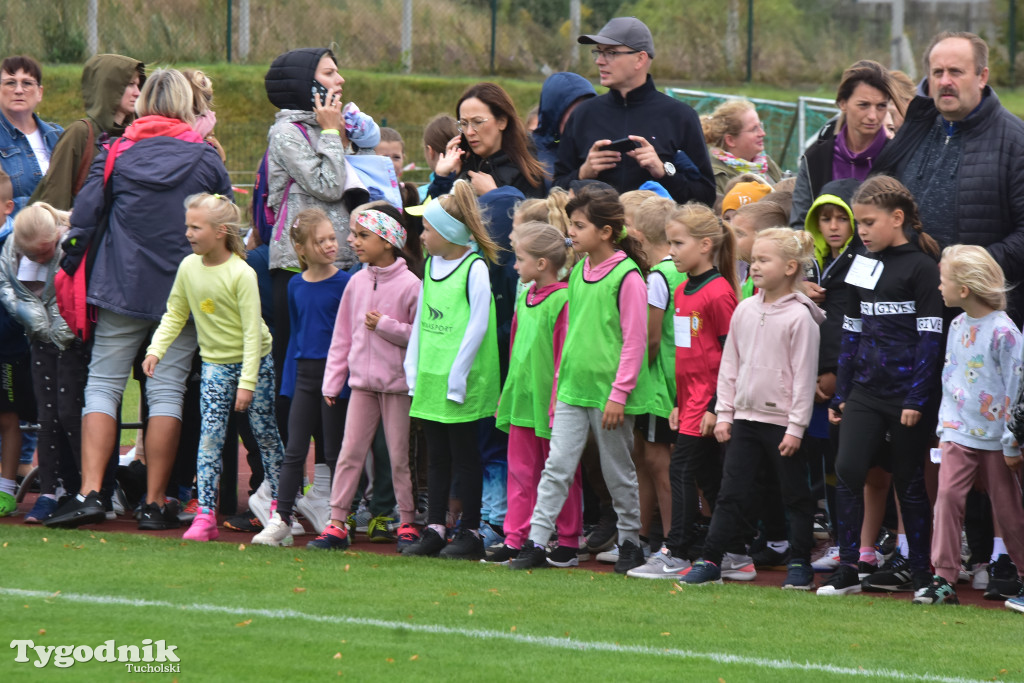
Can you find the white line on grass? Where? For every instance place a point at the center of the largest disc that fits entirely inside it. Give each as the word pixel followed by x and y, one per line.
pixel 542 641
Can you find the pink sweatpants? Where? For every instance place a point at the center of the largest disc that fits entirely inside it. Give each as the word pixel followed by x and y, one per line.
pixel 527 454
pixel 961 467
pixel 365 410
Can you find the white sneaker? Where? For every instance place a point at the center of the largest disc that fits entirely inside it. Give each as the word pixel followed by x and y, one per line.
pixel 661 565
pixel 259 503
pixel 738 567
pixel 297 528
pixel 979 579
pixel 316 508
pixel 276 532
pixel 827 562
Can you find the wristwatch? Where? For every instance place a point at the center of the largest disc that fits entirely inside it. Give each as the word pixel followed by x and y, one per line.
pixel 670 168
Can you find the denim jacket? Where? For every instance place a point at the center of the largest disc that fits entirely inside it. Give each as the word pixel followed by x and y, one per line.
pixel 17 159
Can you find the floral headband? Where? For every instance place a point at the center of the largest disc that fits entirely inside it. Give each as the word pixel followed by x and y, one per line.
pixel 383 225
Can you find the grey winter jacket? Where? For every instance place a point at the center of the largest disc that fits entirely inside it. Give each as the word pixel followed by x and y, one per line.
pixel 318 169
pixel 39 315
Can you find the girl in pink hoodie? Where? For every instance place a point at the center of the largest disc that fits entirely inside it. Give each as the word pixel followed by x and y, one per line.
pixel 370 335
pixel 766 384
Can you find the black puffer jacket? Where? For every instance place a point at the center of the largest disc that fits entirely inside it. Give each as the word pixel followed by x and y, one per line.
pixel 990 194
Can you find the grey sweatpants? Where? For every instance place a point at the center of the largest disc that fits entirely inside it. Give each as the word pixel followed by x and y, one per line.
pixel 568 437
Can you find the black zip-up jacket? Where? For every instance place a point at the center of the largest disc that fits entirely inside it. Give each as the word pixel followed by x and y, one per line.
pixel 989 202
pixel 669 125
pixel 892 334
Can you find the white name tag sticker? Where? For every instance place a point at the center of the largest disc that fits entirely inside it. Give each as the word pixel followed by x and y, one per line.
pixel 864 272
pixel 936 455
pixel 682 329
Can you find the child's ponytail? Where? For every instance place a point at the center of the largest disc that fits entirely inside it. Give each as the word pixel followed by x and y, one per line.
pixel 224 213
pixel 887 193
pixel 462 205
pixel 702 223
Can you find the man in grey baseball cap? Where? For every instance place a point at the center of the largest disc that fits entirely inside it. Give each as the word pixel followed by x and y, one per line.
pixel 666 137
pixel 627 31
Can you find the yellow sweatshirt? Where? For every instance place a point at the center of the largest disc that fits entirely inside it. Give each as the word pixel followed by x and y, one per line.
pixel 225 303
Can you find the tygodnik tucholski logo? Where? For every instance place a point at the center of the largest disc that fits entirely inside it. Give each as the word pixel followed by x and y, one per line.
pixel 151 656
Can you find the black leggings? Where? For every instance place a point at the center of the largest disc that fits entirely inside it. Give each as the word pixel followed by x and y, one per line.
pixel 751 444
pixel 696 461
pixel 453 446
pixel 862 435
pixel 309 417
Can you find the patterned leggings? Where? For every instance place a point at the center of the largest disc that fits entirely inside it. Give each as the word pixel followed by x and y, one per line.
pixel 217 400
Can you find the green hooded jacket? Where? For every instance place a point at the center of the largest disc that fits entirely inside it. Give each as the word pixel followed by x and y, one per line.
pixel 104 79
pixel 822 252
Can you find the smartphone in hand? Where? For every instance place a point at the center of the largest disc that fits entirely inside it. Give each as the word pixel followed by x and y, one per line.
pixel 318 87
pixel 622 145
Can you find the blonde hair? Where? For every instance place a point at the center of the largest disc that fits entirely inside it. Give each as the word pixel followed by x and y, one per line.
pixel 462 205
pixel 764 215
pixel 652 216
pixel 222 212
pixel 550 210
pixel 37 223
pixel 202 90
pixel 167 93
pixel 701 222
pixel 6 187
pixel 793 245
pixel 726 119
pixel 305 224
pixel 543 240
pixel 632 200
pixel 974 268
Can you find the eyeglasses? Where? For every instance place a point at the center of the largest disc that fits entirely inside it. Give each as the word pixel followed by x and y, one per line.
pixel 475 124
pixel 609 55
pixel 759 128
pixel 12 84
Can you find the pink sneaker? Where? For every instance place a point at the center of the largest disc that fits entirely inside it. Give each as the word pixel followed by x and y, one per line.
pixel 204 527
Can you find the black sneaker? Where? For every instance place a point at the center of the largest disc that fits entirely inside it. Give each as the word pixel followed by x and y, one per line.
pixel 465 546
pixel 247 522
pixel 531 556
pixel 74 513
pixel 604 534
pixel 564 556
pixel 1003 581
pixel 501 555
pixel 429 545
pixel 893 576
pixel 769 558
pixel 841 582
pixel 156 518
pixel 937 592
pixel 866 569
pixel 631 556
pixel 886 543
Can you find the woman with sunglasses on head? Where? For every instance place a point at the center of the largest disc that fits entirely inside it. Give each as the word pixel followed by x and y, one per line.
pixel 492 148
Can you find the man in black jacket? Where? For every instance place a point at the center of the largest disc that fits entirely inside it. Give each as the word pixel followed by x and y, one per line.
pixel 961 154
pixel 669 141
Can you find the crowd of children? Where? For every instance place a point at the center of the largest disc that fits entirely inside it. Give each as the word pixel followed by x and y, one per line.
pixel 730 386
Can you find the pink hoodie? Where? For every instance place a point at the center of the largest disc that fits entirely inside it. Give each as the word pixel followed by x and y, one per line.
pixel 373 357
pixel 769 365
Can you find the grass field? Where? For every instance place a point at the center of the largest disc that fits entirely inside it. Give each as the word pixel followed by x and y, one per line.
pixel 254 613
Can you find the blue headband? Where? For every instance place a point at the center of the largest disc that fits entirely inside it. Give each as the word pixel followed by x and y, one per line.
pixel 453 230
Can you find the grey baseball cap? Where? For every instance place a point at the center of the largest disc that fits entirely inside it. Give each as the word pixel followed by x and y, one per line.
pixel 628 31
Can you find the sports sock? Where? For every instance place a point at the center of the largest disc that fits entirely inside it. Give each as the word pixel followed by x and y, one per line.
pixel 779 546
pixel 9 486
pixel 901 543
pixel 998 548
pixel 867 554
